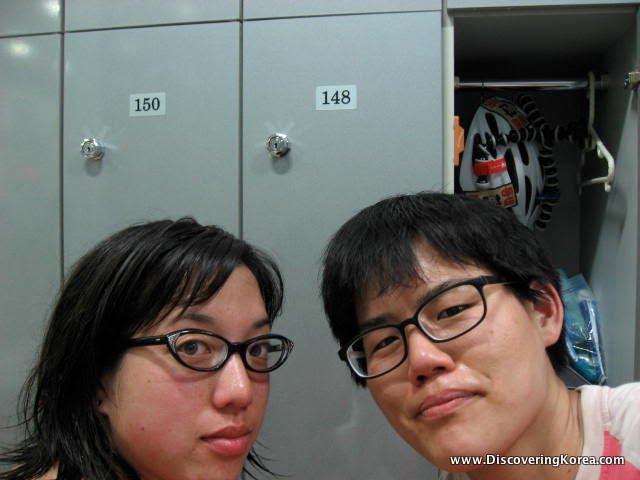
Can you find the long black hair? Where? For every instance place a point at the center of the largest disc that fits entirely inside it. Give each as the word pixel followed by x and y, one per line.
pixel 122 286
pixel 376 248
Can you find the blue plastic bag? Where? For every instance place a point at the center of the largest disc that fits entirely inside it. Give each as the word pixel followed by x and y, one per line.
pixel 582 329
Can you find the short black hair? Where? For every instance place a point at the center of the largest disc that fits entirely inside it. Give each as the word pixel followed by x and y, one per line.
pixel 125 284
pixel 376 249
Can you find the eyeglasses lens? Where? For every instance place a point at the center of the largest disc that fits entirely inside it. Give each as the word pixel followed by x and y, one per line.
pixel 265 354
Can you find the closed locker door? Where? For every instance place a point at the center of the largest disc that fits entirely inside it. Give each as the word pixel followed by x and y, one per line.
pixel 375 132
pixel 162 104
pixel 26 17
pixel 93 14
pixel 29 205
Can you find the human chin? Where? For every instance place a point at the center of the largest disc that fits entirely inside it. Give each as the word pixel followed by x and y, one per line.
pixel 205 467
pixel 439 448
pixel 457 435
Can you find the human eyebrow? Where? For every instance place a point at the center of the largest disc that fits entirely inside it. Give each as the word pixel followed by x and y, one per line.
pixel 200 318
pixel 373 322
pixel 436 290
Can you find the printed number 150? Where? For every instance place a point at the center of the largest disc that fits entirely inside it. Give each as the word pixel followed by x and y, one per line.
pixel 147 104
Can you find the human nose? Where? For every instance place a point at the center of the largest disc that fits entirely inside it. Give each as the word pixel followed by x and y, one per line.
pixel 233 386
pixel 425 358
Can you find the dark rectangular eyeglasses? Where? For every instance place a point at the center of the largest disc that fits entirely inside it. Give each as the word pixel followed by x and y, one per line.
pixel 448 314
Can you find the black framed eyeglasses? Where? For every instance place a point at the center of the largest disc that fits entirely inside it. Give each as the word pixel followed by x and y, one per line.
pixel 206 351
pixel 445 315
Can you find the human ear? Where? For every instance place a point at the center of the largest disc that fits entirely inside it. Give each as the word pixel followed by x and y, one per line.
pixel 102 397
pixel 548 312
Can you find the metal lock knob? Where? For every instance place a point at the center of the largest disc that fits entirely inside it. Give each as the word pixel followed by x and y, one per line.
pixel 278 145
pixel 91 149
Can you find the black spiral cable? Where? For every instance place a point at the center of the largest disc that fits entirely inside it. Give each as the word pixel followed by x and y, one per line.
pixel 550 191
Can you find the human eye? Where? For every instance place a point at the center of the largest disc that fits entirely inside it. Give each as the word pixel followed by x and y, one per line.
pixel 456 304
pixel 381 342
pixel 195 346
pixel 385 342
pixel 192 347
pixel 452 311
pixel 259 349
pixel 265 353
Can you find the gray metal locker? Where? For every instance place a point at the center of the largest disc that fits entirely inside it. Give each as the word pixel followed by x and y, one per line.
pixel 319 426
pixel 182 116
pixel 24 17
pixel 93 14
pixel 260 9
pixel 163 105
pixel 29 205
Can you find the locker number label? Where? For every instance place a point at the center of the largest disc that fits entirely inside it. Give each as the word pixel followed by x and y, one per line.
pixel 147 104
pixel 337 97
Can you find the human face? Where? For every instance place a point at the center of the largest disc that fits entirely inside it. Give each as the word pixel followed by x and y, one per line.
pixel 170 422
pixel 485 392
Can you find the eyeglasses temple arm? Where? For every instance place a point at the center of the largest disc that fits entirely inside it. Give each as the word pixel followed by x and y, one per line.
pixel 160 340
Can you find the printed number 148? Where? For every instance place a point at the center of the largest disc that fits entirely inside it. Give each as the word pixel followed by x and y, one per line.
pixel 337 97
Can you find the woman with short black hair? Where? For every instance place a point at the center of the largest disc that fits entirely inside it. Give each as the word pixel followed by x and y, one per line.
pixel 138 377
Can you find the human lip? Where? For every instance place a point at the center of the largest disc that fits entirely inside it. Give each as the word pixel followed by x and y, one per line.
pixel 230 441
pixel 443 403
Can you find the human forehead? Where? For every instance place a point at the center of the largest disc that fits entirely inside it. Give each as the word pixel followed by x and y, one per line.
pixel 433 271
pixel 237 304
